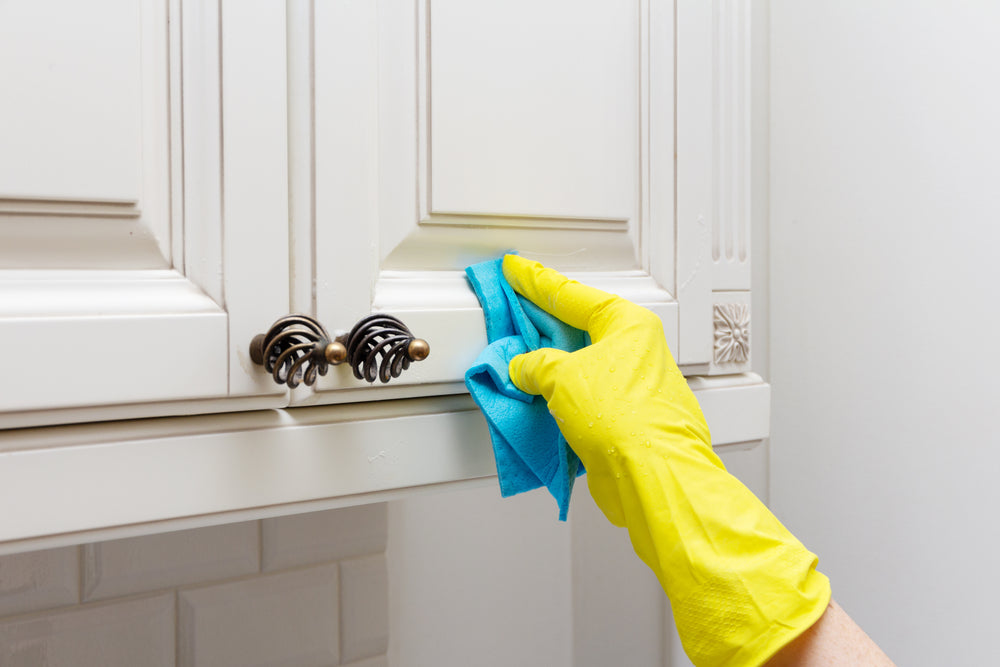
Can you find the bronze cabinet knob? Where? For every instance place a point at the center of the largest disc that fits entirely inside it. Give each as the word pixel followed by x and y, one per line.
pixel 418 349
pixel 297 349
pixel 335 352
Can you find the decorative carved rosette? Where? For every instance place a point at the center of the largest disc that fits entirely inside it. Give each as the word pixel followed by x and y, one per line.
pixel 732 333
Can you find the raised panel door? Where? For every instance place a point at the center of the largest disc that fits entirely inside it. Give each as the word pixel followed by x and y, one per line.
pixel 130 232
pixel 435 134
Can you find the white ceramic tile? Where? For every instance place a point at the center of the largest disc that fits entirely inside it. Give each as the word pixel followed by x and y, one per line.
pixel 123 634
pixel 319 537
pixel 378 661
pixel 39 580
pixel 476 579
pixel 152 562
pixel 289 618
pixel 364 611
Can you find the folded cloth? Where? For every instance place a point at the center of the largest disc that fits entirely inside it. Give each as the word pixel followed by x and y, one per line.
pixel 529 449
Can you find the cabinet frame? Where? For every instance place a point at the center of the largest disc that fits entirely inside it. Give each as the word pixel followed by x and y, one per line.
pixel 119 478
pixel 165 332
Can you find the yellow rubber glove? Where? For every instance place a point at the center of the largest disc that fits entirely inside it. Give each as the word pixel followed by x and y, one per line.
pixel 740 585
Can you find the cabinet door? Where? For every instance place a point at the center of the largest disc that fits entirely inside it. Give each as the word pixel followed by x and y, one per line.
pixel 432 135
pixel 139 252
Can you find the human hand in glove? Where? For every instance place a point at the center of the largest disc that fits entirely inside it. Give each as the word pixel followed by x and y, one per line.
pixel 741 586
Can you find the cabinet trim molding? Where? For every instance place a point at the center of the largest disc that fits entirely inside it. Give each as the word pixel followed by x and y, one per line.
pixel 732 333
pixel 67 208
pixel 75 484
pixel 713 165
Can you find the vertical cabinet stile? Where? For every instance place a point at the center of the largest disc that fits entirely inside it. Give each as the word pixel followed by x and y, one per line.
pixel 254 180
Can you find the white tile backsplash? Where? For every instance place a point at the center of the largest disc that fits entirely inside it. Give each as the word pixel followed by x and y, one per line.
pixel 365 614
pixel 120 634
pixel 305 590
pixel 172 559
pixel 39 580
pixel 380 661
pixel 289 618
pixel 303 539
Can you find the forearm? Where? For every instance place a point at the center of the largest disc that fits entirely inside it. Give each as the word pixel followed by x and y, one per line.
pixel 834 639
pixel 660 515
pixel 740 585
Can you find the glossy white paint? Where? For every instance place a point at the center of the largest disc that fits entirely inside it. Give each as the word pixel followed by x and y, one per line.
pixel 534 117
pixel 119 479
pixel 129 482
pixel 401 141
pixel 254 182
pixel 79 338
pixel 132 264
pixel 90 154
pixel 201 128
pixel 343 139
pixel 694 179
pixel 731 142
pixel 368 115
pixel 713 168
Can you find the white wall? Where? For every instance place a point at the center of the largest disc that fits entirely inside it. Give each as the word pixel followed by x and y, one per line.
pixel 885 226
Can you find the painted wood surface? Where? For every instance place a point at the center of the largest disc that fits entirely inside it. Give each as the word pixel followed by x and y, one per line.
pixel 329 157
pixel 84 482
pixel 210 170
pixel 444 133
pixel 139 252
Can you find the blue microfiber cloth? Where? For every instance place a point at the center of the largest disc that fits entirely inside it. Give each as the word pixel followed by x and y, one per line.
pixel 529 449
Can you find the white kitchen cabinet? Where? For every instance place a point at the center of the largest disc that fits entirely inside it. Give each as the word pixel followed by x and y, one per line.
pixel 131 232
pixel 175 175
pixel 594 136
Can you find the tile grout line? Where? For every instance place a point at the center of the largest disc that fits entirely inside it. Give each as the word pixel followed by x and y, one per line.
pixel 177 627
pixel 340 614
pixel 87 565
pixel 260 546
pixel 80 573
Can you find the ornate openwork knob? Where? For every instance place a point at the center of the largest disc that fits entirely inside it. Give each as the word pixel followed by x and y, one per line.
pixel 298 349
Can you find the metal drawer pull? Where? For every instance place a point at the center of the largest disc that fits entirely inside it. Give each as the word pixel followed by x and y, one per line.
pixel 298 349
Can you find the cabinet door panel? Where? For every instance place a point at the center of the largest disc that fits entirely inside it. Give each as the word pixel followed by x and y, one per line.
pixel 79 57
pixel 534 116
pixel 121 235
pixel 84 152
pixel 445 133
